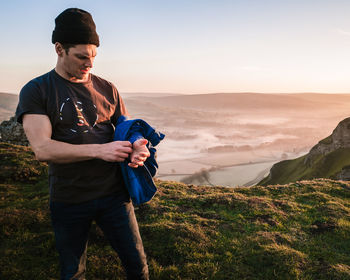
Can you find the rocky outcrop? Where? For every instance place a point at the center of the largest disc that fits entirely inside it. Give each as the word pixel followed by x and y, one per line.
pixel 330 158
pixel 12 132
pixel 340 138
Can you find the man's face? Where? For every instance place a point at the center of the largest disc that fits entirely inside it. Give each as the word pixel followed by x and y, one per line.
pixel 77 63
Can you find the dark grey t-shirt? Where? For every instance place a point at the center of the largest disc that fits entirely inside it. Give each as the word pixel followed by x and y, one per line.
pixel 80 113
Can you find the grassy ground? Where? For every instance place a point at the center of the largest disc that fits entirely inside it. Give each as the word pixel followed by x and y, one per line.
pixel 294 231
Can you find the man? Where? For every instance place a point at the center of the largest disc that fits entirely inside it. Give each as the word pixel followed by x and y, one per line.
pixel 68 116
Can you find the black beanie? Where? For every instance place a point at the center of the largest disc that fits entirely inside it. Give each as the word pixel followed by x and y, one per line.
pixel 75 26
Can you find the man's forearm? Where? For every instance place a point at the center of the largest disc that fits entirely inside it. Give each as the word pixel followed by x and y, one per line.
pixel 38 130
pixel 61 152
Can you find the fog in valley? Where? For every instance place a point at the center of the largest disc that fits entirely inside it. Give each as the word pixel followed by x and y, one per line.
pixel 229 139
pixel 234 139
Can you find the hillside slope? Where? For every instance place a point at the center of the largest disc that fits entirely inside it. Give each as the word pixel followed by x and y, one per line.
pixel 330 158
pixel 294 231
pixel 330 166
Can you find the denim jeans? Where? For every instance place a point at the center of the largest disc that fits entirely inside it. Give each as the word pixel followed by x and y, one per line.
pixel 115 216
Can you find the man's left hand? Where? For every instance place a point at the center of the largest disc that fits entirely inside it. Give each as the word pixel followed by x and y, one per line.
pixel 139 153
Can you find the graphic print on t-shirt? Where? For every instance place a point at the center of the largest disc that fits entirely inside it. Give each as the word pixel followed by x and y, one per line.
pixel 82 115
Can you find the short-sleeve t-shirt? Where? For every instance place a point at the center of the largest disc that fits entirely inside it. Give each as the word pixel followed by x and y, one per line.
pixel 80 113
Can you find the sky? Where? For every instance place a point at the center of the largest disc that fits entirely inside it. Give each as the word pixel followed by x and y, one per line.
pixel 191 46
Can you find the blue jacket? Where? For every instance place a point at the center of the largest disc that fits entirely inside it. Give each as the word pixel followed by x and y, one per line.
pixel 139 181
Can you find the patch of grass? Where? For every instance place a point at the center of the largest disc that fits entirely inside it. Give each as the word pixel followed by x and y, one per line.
pixel 18 164
pixel 298 231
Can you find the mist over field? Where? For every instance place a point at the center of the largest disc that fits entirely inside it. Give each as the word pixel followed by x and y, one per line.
pixel 237 137
pixel 229 138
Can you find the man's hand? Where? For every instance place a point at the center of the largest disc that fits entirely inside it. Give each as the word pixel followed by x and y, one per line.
pixel 115 151
pixel 139 153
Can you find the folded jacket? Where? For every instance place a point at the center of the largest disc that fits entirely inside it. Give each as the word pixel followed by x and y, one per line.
pixel 139 181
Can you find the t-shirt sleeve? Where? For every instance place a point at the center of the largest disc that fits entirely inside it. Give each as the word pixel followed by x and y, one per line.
pixel 30 101
pixel 120 109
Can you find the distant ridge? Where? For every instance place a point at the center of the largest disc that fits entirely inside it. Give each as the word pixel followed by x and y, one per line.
pixel 246 101
pixel 147 94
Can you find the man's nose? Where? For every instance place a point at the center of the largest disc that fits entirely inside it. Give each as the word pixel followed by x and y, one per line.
pixel 89 62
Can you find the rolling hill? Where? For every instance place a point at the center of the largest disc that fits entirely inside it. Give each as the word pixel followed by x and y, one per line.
pixel 294 231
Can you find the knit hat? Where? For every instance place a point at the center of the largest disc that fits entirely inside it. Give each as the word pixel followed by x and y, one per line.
pixel 75 26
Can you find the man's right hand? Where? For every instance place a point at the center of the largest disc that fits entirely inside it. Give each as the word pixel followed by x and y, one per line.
pixel 115 151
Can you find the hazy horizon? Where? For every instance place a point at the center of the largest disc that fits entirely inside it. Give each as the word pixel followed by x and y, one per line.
pixel 207 93
pixel 235 137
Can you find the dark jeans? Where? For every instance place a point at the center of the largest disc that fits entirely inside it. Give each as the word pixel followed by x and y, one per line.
pixel 115 216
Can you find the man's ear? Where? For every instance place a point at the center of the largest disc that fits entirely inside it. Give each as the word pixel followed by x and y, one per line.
pixel 59 49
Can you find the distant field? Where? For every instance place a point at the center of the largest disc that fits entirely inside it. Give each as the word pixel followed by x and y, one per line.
pixel 255 127
pixel 231 176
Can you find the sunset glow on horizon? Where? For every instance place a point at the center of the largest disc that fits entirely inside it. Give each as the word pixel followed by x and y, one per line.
pixel 197 47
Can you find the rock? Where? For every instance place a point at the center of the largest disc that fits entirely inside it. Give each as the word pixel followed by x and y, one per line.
pixel 340 138
pixel 329 158
pixel 12 132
